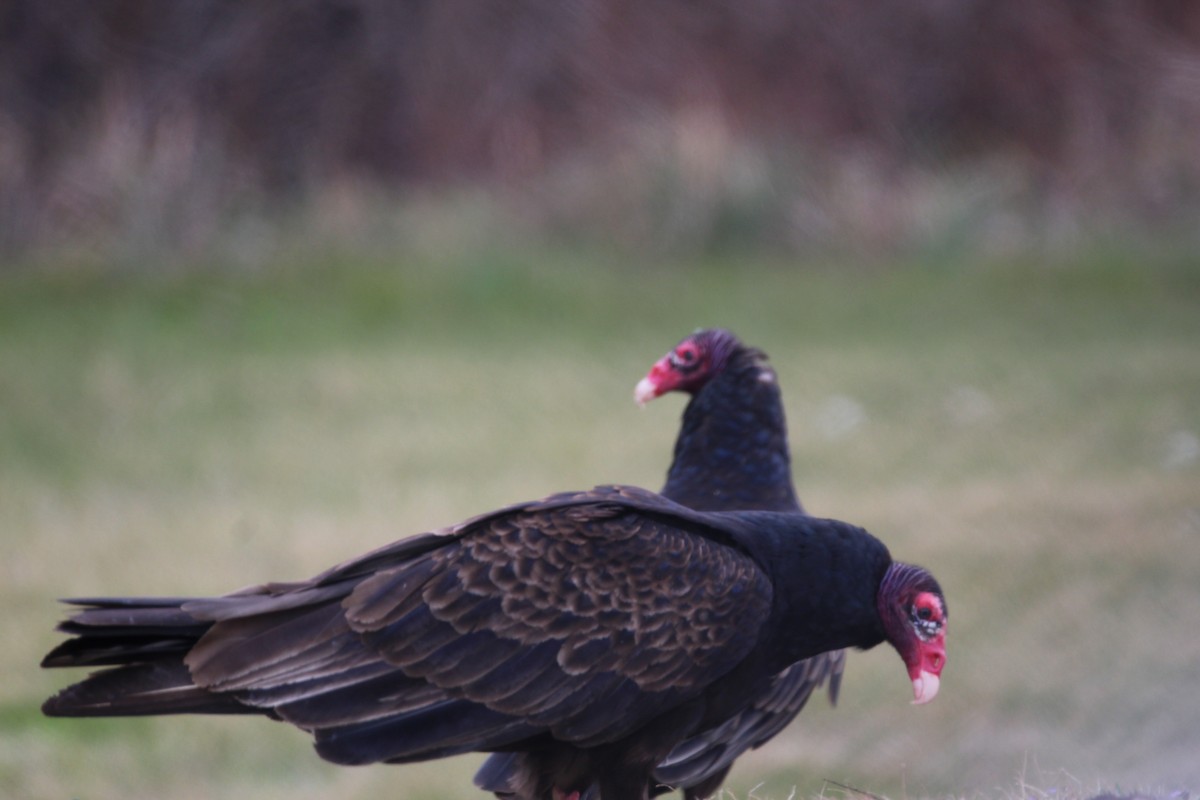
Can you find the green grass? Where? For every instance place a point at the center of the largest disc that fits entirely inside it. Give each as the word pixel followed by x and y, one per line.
pixel 1026 430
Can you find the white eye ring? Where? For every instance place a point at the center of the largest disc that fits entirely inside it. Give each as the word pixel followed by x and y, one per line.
pixel 926 626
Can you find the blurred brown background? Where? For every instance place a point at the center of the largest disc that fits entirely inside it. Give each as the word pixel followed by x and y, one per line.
pixel 793 125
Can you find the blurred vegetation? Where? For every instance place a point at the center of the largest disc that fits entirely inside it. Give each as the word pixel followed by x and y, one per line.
pixel 201 127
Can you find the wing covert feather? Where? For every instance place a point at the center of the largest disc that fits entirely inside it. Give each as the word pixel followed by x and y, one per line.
pixel 589 600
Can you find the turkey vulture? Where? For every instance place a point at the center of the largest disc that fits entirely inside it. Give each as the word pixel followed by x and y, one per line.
pixel 593 631
pixel 731 454
pixel 732 451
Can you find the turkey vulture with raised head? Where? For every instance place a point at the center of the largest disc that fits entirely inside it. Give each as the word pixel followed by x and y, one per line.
pixel 732 451
pixel 731 454
pixel 592 631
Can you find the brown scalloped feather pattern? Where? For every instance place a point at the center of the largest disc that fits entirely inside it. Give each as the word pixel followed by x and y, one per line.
pixel 615 591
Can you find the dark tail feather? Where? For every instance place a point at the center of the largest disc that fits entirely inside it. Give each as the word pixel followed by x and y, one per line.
pixel 145 639
pixel 115 649
pixel 163 687
pixel 498 774
pixel 123 630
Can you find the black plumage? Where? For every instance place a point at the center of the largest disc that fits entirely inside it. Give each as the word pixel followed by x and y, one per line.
pixel 592 632
pixel 732 453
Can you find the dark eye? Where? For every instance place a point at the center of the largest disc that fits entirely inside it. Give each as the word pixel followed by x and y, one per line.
pixel 926 618
pixel 684 356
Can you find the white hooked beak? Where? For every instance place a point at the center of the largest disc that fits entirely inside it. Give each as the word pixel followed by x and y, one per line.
pixel 645 391
pixel 925 687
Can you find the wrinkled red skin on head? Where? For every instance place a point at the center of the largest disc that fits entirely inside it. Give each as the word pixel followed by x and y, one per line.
pixel 928 655
pixel 667 377
pixel 914 620
pixel 684 369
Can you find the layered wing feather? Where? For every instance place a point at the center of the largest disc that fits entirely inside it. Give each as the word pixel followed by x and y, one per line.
pixel 710 753
pixel 582 616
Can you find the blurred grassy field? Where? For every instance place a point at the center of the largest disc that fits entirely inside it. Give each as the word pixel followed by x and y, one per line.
pixel 1029 431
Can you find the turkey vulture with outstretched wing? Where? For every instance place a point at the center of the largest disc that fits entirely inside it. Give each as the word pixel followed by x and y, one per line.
pixel 592 631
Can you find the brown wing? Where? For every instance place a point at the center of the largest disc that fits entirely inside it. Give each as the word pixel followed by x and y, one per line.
pixel 583 615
